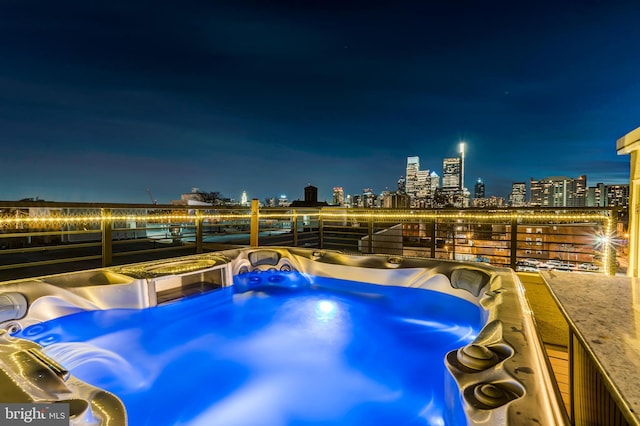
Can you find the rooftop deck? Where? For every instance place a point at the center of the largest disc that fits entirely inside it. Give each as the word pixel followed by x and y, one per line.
pixel 45 238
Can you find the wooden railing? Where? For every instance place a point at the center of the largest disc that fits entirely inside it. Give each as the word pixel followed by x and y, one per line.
pixel 38 238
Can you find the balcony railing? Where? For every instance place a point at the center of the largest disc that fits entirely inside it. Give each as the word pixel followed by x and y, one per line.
pixel 38 238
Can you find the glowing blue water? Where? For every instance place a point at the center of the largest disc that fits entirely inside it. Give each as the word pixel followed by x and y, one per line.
pixel 287 350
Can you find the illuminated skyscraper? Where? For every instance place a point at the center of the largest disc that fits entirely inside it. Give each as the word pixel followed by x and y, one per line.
pixel 411 181
pixel 518 195
pixel 479 189
pixel 597 195
pixel 423 187
pixel 338 196
pixel 618 195
pixel 559 191
pixel 451 174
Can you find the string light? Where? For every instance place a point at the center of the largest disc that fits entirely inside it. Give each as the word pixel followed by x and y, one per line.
pixel 371 214
pixel 56 219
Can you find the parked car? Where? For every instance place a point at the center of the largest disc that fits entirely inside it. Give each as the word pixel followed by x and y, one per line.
pixel 565 266
pixel 523 268
pixel 553 264
pixel 559 265
pixel 528 263
pixel 588 267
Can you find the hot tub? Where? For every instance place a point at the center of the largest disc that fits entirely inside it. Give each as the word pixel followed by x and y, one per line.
pixel 279 336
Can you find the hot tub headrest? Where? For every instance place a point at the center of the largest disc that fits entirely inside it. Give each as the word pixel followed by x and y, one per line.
pixel 469 279
pixel 13 305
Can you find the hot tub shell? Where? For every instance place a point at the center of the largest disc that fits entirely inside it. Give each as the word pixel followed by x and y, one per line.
pixel 501 378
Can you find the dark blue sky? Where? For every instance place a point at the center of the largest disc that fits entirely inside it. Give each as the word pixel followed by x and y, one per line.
pixel 101 100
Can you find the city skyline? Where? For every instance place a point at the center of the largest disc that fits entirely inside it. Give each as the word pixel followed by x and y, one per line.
pixel 520 187
pixel 102 101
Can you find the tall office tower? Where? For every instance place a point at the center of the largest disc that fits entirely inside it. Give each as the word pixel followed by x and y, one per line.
pixel 597 196
pixel 413 166
pixel 618 195
pixel 479 189
pixel 559 191
pixel 338 196
pixel 451 179
pixel 243 199
pixel 518 195
pixel 423 184
pixel 577 192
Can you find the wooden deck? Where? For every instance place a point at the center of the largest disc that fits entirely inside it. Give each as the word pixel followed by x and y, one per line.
pixel 553 329
pixel 560 365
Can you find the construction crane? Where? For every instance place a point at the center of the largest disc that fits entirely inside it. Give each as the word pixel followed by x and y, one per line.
pixel 153 200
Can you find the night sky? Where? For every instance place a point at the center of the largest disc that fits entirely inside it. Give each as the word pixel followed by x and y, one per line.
pixel 101 100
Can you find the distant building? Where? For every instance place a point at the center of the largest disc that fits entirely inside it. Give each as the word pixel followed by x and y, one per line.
pixel 198 197
pixel 348 201
pixel 479 189
pixel 411 181
pixel 597 195
pixel 518 195
pixel 425 187
pixel 420 185
pixel 462 199
pixel 618 195
pixel 490 202
pixel 452 188
pixel 368 199
pixel 396 200
pixel 338 196
pixel 402 185
pixel 310 198
pixel 310 194
pixel 451 174
pixel 558 191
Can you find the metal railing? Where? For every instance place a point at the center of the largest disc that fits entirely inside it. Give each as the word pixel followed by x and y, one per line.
pixel 38 238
